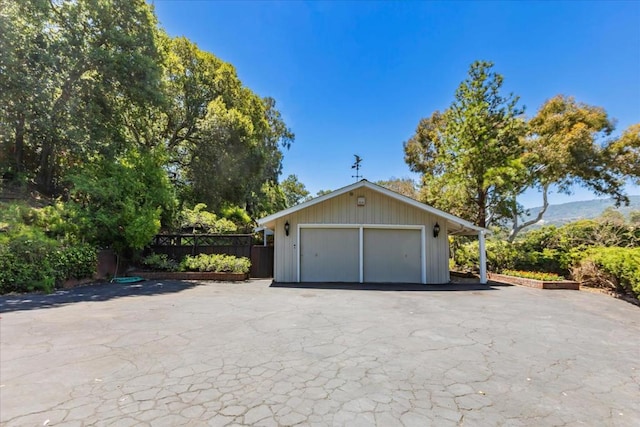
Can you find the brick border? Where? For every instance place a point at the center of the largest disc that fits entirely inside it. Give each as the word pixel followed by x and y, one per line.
pixel 191 275
pixel 532 283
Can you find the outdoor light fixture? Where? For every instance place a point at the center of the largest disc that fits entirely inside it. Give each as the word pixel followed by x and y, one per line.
pixel 286 228
pixel 436 230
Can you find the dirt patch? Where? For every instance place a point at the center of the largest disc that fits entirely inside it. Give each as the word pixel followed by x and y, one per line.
pixel 624 297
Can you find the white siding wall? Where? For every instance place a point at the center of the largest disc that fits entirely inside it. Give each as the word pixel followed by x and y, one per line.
pixel 379 209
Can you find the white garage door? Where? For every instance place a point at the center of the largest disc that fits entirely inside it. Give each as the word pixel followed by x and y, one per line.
pixel 389 255
pixel 329 255
pixel 392 256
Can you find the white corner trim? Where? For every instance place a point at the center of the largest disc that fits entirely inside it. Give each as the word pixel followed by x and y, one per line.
pixel 361 254
pixel 423 254
pixel 483 257
pixel 297 251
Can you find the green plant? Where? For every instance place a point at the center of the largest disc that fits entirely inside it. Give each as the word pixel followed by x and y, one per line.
pixel 219 263
pixel 31 260
pixel 536 275
pixel 74 262
pixel 610 267
pixel 160 262
pixel 199 220
pixel 119 204
pixel 236 214
pixel 500 255
pixel 24 262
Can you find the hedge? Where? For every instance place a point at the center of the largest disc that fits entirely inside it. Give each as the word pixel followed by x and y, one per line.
pixel 611 267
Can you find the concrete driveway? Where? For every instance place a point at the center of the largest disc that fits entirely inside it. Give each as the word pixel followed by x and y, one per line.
pixel 178 353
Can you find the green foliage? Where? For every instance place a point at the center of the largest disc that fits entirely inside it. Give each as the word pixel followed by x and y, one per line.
pixel 272 200
pixel 160 262
pixel 237 215
pixel 86 83
pixel 547 277
pixel 480 154
pixel 469 154
pixel 56 220
pixel 75 74
pixel 120 204
pixel 219 263
pixel 500 255
pixel 31 261
pixel 24 261
pixel 199 220
pixel 614 268
pixel 562 250
pixel 624 153
pixel 224 140
pixel 404 186
pixel 294 190
pixel 74 262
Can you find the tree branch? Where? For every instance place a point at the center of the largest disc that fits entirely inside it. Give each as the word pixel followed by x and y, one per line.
pixel 517 228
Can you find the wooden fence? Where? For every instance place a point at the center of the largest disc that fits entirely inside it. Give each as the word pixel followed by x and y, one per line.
pixel 177 246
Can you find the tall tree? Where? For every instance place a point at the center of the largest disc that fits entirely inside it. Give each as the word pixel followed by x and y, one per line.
pixel 70 71
pixel 404 186
pixel 480 155
pixel 294 190
pixel 224 141
pixel 565 146
pixel 469 155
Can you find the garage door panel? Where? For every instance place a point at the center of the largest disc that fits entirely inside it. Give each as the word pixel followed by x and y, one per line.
pixel 392 256
pixel 329 255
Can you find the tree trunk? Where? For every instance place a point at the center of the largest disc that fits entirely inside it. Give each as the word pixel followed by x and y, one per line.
pixel 482 209
pixel 46 173
pixel 45 177
pixel 19 144
pixel 516 228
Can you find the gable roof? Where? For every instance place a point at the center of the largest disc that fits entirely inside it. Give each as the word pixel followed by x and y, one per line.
pixel 455 225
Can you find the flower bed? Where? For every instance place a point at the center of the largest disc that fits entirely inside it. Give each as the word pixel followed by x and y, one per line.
pixel 534 283
pixel 219 267
pixel 536 275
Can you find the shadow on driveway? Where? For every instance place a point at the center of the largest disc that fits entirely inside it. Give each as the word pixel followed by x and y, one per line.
pixel 393 287
pixel 95 292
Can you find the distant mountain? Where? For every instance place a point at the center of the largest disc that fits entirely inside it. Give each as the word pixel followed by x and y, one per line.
pixel 573 211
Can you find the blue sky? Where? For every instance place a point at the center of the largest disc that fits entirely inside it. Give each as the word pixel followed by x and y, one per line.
pixel 356 77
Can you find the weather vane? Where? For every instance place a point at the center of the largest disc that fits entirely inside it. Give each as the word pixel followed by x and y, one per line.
pixel 356 166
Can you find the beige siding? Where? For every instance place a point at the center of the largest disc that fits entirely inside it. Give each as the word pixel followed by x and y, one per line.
pixel 379 209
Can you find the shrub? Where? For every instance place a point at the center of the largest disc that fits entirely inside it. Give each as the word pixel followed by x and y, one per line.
pixel 200 220
pixel 611 267
pixel 547 277
pixel 24 262
pixel 31 261
pixel 237 215
pixel 119 204
pixel 500 255
pixel 219 263
pixel 160 262
pixel 74 262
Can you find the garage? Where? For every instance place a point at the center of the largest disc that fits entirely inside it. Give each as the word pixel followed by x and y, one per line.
pixel 368 253
pixel 365 233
